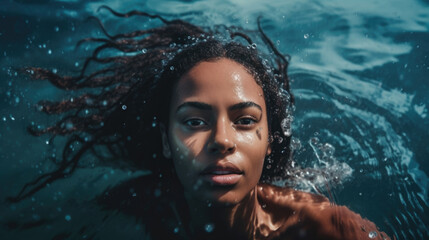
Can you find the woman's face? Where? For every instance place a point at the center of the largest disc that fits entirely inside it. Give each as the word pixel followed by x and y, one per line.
pixel 218 132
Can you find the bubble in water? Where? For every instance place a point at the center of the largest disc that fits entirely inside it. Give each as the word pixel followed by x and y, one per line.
pixel 69 125
pixel 286 126
pixel 67 218
pixel 57 29
pixel 209 227
pixel 144 50
pixel 306 35
pixel 176 230
pixel 171 68
pixel 124 107
pixel 372 234
pixel 328 149
pixel 49 51
pixel 296 144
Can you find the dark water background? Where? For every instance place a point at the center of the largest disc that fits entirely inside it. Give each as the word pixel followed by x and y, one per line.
pixel 360 76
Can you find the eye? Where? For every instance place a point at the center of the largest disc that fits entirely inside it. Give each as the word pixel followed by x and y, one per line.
pixel 245 121
pixel 195 123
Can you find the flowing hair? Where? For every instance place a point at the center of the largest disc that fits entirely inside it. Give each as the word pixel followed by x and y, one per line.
pixel 121 103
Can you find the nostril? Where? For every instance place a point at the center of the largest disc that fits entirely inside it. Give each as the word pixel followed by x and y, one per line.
pixel 222 147
pixel 232 148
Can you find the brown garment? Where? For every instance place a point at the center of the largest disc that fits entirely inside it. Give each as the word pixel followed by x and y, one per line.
pixel 273 213
pixel 284 213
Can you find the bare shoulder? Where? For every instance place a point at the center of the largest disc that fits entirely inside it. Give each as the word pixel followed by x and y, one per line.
pixel 302 215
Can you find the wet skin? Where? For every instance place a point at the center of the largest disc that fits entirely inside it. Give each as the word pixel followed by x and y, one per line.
pixel 218 139
pixel 218 132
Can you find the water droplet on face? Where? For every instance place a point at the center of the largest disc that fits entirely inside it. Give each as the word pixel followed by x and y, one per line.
pixel 372 234
pixel 209 227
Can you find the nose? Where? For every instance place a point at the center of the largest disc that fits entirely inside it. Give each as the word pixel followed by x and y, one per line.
pixel 222 138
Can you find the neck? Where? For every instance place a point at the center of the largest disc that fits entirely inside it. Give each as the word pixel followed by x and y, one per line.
pixel 210 220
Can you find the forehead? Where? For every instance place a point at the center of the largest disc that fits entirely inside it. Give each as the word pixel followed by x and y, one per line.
pixel 223 80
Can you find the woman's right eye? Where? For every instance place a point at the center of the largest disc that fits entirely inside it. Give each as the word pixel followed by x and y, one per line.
pixel 195 122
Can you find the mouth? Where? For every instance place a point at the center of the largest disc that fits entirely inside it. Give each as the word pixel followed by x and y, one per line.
pixel 222 175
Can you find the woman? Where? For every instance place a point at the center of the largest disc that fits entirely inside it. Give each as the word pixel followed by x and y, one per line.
pixel 204 114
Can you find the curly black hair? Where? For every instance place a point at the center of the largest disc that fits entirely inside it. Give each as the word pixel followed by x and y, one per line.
pixel 124 100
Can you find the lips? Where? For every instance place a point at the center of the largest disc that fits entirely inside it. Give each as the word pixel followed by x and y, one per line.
pixel 222 174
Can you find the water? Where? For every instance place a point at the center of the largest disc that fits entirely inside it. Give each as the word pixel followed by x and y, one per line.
pixel 359 73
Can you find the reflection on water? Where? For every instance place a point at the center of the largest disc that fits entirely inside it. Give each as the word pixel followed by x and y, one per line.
pixel 359 77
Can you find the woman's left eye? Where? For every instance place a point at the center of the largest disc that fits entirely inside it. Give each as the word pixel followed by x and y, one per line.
pixel 245 121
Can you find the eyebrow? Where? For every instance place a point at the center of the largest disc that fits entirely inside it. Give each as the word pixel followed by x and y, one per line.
pixel 243 105
pixel 199 105
pixel 205 106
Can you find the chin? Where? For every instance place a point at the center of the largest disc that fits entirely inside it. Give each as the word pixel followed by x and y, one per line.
pixel 224 199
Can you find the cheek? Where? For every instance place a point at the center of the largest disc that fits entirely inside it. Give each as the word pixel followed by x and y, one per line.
pixel 187 146
pixel 255 142
pixel 185 150
pixel 254 146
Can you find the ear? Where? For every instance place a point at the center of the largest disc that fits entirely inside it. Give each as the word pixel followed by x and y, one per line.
pixel 166 150
pixel 268 149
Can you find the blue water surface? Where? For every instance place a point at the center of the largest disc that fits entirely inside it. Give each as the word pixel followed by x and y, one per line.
pixel 359 73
